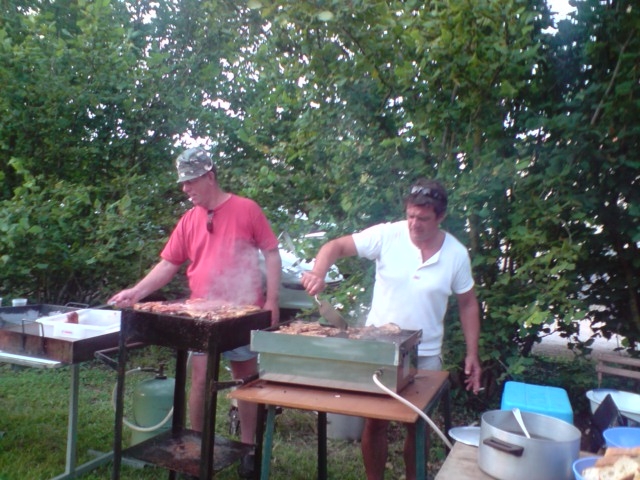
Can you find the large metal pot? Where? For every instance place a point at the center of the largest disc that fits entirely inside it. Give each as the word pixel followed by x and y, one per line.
pixel 506 454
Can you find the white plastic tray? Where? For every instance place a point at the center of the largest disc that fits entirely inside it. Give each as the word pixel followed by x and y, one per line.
pixel 90 324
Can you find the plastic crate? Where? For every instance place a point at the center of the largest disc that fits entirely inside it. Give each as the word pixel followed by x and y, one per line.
pixel 551 401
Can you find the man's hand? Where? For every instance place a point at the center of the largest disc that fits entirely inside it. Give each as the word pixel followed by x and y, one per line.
pixel 125 298
pixel 342 247
pixel 313 283
pixel 473 372
pixel 157 278
pixel 275 311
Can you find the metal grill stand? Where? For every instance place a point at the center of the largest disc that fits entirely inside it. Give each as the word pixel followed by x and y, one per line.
pixel 182 450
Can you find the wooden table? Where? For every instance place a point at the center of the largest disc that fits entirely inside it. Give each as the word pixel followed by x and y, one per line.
pixel 462 464
pixel 425 392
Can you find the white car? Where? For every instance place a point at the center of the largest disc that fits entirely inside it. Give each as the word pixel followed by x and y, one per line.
pixel 292 293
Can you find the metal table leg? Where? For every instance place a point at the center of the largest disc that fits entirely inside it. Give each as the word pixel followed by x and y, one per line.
pixel 71 469
pixel 322 445
pixel 210 406
pixel 257 462
pixel 180 398
pixel 423 429
pixel 117 435
pixel 72 431
pixel 179 392
pixel 421 447
pixel 446 406
pixel 268 442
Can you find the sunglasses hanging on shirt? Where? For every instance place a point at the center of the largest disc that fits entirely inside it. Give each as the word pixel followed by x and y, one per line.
pixel 210 221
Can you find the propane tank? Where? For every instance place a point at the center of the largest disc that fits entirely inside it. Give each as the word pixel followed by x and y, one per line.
pixel 152 403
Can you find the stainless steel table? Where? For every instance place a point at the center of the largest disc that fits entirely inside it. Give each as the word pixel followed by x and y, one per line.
pixel 72 469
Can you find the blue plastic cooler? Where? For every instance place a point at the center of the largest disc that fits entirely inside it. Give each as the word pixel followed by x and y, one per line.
pixel 551 401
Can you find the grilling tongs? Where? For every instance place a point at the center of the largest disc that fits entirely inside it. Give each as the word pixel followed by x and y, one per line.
pixel 330 314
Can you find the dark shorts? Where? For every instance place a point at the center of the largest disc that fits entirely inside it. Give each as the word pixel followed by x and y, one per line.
pixel 240 354
pixel 433 362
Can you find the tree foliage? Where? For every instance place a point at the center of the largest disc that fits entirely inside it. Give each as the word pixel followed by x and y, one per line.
pixel 324 112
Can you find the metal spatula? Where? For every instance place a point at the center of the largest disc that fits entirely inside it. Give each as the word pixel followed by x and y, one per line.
pixel 330 314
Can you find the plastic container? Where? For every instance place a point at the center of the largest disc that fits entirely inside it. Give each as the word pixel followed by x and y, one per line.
pixel 90 324
pixel 551 401
pixel 622 436
pixel 582 463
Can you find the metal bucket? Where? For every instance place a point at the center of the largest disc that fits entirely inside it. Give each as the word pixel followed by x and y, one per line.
pixel 344 427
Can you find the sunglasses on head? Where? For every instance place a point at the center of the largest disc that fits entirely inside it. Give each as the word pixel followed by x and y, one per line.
pixel 426 192
pixel 210 221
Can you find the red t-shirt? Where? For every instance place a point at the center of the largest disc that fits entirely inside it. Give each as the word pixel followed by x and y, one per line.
pixel 224 265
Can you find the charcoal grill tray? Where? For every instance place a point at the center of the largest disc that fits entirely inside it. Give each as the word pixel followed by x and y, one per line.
pixel 190 333
pixel 24 338
pixel 181 453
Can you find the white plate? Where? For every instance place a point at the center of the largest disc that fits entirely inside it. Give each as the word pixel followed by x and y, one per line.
pixel 466 435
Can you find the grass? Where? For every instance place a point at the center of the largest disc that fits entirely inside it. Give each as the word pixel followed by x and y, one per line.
pixel 34 407
pixel 34 413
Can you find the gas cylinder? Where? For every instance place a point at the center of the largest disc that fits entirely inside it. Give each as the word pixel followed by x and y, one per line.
pixel 152 402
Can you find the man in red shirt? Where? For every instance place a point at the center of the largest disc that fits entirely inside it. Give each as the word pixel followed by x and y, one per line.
pixel 221 237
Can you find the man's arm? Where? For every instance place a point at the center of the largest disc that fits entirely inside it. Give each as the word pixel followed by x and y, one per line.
pixel 328 254
pixel 157 278
pixel 273 264
pixel 470 320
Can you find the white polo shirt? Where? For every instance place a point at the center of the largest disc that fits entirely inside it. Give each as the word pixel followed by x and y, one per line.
pixel 409 292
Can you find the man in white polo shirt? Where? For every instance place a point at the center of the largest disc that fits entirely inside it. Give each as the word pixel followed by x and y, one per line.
pixel 418 266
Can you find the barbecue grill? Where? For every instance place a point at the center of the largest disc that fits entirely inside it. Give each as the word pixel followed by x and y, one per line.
pixel 182 450
pixel 338 362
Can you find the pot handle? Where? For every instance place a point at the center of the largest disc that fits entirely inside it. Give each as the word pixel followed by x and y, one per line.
pixel 510 448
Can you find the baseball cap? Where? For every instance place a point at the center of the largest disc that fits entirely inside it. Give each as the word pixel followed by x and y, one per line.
pixel 193 163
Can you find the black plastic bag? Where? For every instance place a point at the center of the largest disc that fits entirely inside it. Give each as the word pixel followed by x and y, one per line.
pixel 606 416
